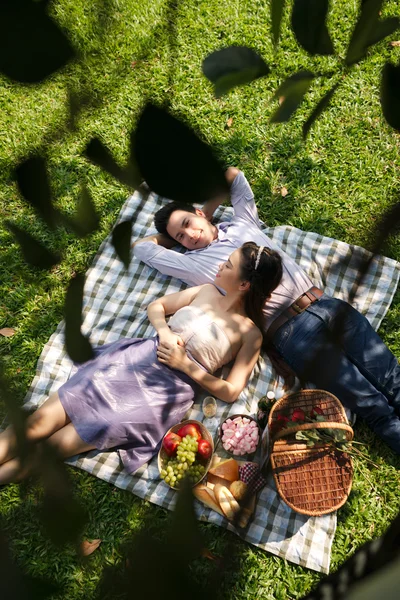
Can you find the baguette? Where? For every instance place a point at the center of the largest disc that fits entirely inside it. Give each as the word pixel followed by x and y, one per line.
pixel 207 497
pixel 226 501
pixel 244 518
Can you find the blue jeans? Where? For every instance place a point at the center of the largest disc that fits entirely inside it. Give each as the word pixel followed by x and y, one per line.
pixel 356 367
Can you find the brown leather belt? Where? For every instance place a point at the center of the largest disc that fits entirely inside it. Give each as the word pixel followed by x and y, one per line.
pixel 298 306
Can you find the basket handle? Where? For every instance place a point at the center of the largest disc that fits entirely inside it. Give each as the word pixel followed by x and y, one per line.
pixel 317 425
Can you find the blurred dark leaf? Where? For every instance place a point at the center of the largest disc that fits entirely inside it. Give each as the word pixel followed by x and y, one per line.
pixel 121 240
pixel 390 94
pixel 77 102
pixel 33 183
pixel 174 162
pixel 205 553
pixel 322 104
pixel 309 26
pixel 101 156
pixel 16 585
pixel 86 220
pixel 32 46
pixel 62 515
pixel 383 28
pixel 184 534
pixel 35 254
pixel 77 345
pixel 16 415
pixel 7 332
pixel 176 581
pixel 233 66
pixel 364 30
pixel 87 548
pixel 277 7
pixel 291 92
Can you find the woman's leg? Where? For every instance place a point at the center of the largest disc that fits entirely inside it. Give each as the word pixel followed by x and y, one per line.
pixel 66 442
pixel 45 421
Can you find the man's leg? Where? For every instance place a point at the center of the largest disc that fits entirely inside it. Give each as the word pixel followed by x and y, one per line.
pixel 363 347
pixel 306 344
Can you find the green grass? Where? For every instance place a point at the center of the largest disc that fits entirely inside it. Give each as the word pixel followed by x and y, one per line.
pixel 339 182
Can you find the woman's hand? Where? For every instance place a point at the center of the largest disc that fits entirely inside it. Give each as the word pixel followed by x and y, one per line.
pixel 173 356
pixel 169 338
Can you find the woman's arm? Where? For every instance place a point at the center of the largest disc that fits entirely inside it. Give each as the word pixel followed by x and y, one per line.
pixel 229 389
pixel 167 305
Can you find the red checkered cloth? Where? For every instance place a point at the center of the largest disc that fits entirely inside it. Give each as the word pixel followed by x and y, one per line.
pixel 250 474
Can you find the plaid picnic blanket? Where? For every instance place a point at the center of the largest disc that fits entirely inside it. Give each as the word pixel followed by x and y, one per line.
pixel 115 302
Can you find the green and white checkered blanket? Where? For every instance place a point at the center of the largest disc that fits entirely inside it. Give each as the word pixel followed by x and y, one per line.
pixel 115 302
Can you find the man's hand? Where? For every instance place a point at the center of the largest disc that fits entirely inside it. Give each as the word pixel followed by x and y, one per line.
pixel 157 238
pixel 211 206
pixel 173 356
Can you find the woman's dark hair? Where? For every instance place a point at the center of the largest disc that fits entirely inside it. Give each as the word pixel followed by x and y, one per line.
pixel 263 279
pixel 161 218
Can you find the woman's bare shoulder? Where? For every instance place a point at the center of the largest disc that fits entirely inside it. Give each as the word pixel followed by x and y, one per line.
pixel 252 332
pixel 209 289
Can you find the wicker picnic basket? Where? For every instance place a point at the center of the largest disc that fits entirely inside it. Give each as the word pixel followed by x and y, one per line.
pixel 312 481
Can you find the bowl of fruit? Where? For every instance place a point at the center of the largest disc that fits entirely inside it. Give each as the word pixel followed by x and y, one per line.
pixel 186 451
pixel 240 435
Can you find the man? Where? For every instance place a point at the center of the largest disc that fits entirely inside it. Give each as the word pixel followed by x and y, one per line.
pixel 300 321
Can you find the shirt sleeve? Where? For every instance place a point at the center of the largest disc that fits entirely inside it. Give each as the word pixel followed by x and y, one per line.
pixel 242 200
pixel 168 262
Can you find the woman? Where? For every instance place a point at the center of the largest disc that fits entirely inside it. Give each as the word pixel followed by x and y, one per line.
pixel 136 389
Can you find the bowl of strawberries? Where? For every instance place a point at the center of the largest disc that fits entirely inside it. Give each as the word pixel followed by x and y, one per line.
pixel 186 451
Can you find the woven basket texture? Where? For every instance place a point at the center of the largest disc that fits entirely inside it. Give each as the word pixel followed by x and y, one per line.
pixel 312 481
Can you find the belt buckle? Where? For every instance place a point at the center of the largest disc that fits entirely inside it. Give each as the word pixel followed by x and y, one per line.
pixel 297 308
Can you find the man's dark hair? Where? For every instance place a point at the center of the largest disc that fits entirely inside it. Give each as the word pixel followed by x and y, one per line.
pixel 161 218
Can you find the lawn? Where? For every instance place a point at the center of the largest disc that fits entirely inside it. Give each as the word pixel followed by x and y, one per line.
pixel 339 183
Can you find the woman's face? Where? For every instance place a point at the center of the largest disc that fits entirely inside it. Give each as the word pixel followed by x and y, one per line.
pixel 228 276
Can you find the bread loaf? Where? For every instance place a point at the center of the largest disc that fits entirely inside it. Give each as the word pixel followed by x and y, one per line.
pixel 226 469
pixel 226 501
pixel 238 489
pixel 207 497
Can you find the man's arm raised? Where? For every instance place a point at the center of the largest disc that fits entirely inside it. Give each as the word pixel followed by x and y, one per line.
pixel 211 206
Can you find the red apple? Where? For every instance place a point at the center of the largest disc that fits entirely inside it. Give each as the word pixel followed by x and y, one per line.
pixel 204 449
pixel 171 442
pixel 190 429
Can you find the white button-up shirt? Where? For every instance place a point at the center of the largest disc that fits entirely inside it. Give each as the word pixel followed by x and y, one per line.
pixel 200 266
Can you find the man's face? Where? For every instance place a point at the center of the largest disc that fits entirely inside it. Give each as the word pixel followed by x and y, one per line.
pixel 192 230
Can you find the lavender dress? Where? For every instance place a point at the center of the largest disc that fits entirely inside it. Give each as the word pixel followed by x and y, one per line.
pixel 125 398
